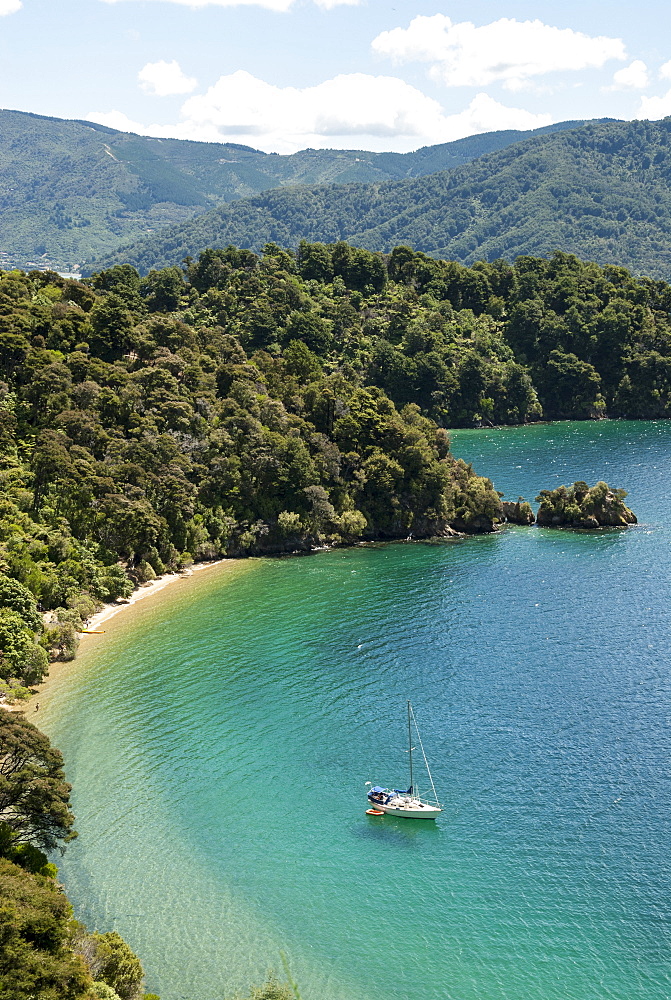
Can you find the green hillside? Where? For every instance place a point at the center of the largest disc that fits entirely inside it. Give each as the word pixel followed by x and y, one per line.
pixel 72 190
pixel 600 191
pixel 186 413
pixel 269 404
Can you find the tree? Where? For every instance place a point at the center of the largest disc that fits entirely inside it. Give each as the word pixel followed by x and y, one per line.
pixel 315 261
pixel 34 796
pixel 36 962
pixel 51 461
pixel 101 991
pixel 311 330
pixel 163 289
pixel 122 279
pixel 17 598
pixel 16 644
pixel 13 349
pixel 568 386
pixel 112 323
pixel 116 964
pixel 300 361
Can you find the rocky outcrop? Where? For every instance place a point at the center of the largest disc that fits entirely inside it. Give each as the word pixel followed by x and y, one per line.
pixel 582 506
pixel 518 512
pixel 478 524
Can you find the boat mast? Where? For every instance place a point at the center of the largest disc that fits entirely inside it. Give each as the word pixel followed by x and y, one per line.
pixel 410 746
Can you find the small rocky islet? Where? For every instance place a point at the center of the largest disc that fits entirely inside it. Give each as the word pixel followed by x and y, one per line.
pixel 577 506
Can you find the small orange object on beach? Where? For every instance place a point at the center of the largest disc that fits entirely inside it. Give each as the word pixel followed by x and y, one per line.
pixel 374 812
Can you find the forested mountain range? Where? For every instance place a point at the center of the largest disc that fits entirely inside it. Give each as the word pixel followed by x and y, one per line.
pixel 73 190
pixel 600 191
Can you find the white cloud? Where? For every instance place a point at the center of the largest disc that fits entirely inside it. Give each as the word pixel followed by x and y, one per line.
pixel 182 130
pixel 348 105
pixel 9 7
pixel 117 120
pixel 353 111
pixel 506 50
pixel 655 107
pixel 165 78
pixel 634 76
pixel 277 5
pixel 484 114
pixel 330 4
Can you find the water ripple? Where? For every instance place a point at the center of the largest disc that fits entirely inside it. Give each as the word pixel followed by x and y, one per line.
pixel 219 746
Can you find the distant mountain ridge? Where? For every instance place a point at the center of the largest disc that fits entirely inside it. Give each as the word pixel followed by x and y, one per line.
pixel 71 191
pixel 601 191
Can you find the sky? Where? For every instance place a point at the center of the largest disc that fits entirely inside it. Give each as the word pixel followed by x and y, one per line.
pixel 283 75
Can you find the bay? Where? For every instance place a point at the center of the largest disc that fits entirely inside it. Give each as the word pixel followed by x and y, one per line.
pixel 219 740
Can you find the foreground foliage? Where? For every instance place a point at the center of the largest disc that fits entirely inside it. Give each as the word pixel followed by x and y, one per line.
pixel 35 933
pixel 47 955
pixel 44 953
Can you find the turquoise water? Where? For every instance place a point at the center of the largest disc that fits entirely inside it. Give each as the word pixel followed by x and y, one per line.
pixel 220 737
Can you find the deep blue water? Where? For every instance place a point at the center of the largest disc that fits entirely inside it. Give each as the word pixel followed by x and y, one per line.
pixel 219 737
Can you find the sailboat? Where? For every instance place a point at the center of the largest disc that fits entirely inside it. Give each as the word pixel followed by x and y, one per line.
pixel 407 803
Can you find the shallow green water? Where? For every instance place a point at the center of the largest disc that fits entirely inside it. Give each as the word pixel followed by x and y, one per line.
pixel 219 742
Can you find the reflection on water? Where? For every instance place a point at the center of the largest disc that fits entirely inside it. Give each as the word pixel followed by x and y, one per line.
pixel 397 832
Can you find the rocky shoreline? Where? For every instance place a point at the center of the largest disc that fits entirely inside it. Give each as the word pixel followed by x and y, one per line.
pixel 578 506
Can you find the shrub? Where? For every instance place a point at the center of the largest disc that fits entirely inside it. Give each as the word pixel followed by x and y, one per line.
pixel 117 965
pixel 101 991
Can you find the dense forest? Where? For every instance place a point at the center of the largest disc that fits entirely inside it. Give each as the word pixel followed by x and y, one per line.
pixel 232 410
pixel 601 192
pixel 265 404
pixel 73 190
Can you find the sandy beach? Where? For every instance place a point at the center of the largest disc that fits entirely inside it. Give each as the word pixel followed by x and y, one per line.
pixel 97 622
pixel 145 590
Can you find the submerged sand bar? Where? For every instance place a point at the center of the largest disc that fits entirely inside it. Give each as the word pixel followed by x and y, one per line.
pixel 96 624
pixel 145 590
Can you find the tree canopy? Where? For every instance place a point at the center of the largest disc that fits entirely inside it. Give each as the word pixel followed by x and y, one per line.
pixel 248 404
pixel 36 960
pixel 34 796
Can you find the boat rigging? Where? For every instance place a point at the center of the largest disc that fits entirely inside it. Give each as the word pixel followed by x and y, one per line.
pixel 407 803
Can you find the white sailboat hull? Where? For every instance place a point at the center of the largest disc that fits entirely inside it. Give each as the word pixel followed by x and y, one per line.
pixel 406 804
pixel 409 809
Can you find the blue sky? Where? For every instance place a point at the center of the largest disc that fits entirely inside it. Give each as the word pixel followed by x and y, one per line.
pixel 281 75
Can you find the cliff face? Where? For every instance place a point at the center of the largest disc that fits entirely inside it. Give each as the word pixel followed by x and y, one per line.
pixel 581 506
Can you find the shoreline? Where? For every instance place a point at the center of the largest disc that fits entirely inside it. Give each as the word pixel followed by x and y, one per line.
pixel 107 612
pixel 144 590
